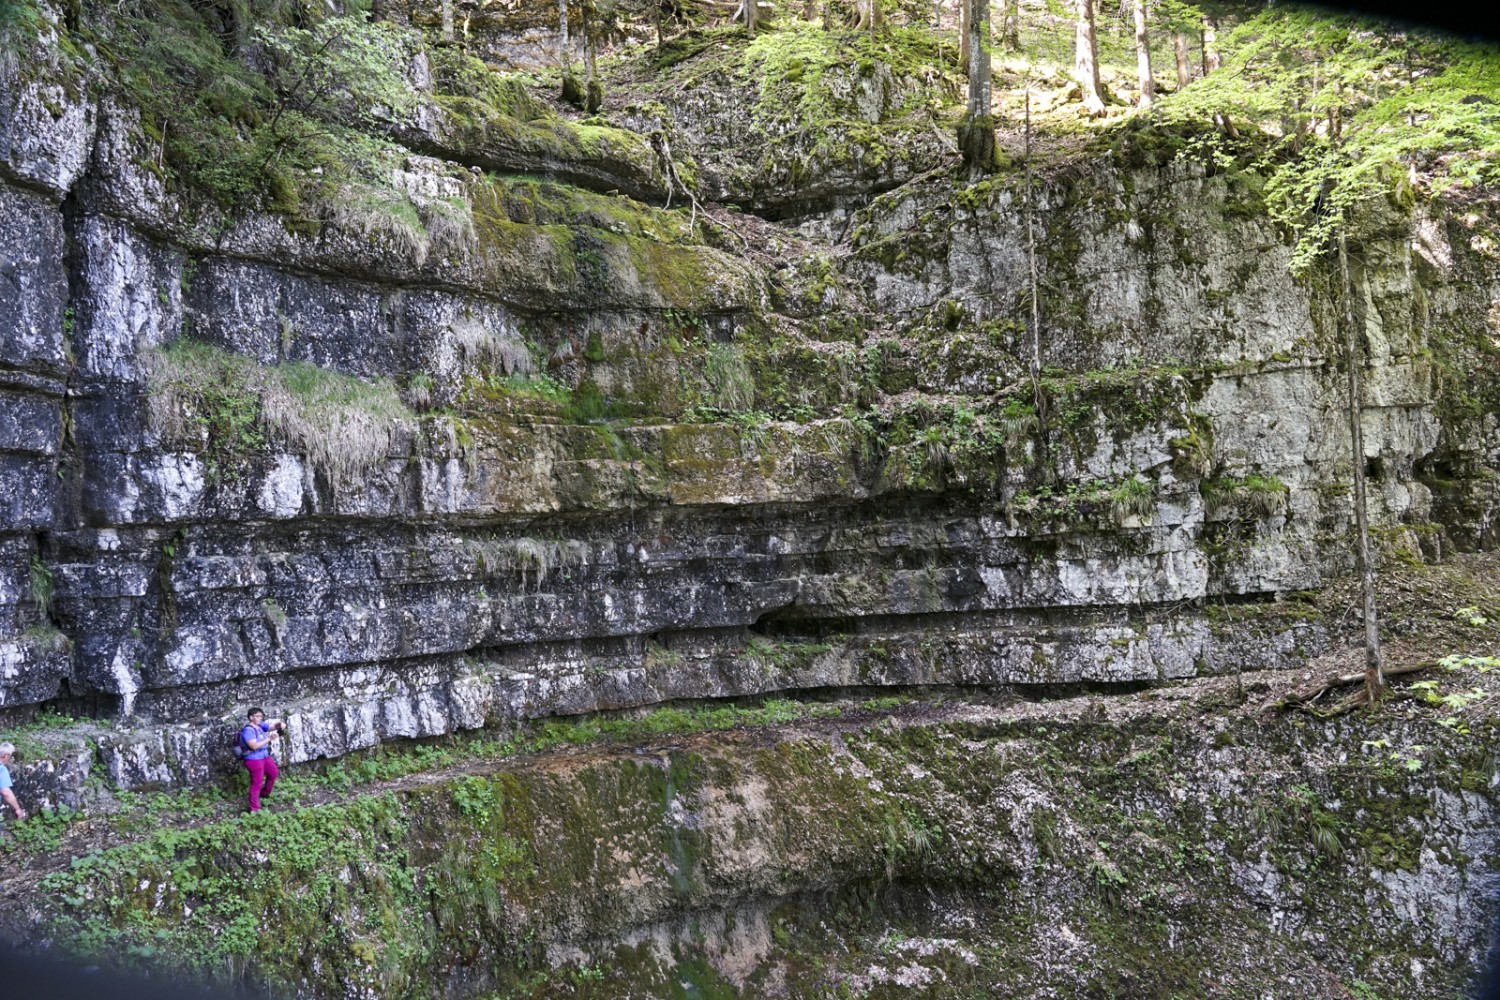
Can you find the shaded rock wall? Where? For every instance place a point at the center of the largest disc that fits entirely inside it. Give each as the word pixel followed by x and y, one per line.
pixel 488 547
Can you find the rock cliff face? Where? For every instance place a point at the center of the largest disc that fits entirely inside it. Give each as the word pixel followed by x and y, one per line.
pixel 723 392
pixel 553 451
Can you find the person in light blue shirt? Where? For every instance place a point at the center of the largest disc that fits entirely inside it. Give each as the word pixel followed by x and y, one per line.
pixel 255 750
pixel 7 794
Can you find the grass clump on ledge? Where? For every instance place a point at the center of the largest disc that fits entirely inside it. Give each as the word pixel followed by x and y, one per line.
pixel 1257 495
pixel 228 408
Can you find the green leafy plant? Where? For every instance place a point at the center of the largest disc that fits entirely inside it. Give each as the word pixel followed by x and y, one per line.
pixel 1339 113
pixel 1133 498
pixel 42 586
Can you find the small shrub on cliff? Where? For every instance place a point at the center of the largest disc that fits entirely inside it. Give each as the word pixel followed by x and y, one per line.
pixel 1134 498
pixel 245 106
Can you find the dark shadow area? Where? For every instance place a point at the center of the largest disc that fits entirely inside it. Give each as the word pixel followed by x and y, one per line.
pixel 28 977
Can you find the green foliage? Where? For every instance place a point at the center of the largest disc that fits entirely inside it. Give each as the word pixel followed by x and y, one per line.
pixel 1345 112
pixel 1483 664
pixel 731 387
pixel 42 831
pixel 1135 497
pixel 241 131
pixel 1120 499
pixel 1254 495
pixel 42 587
pixel 20 22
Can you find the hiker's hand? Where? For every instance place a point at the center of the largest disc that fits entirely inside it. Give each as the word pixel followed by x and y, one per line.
pixel 20 813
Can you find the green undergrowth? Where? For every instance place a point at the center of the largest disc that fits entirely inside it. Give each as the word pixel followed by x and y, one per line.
pixel 133 814
pixel 1348 112
pixel 1100 821
pixel 298 121
pixel 793 66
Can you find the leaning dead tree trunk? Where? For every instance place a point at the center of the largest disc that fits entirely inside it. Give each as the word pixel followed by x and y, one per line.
pixel 1143 57
pixel 1374 668
pixel 1038 398
pixel 1086 59
pixel 1179 49
pixel 976 132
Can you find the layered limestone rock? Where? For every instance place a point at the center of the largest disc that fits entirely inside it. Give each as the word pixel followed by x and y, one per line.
pixel 549 450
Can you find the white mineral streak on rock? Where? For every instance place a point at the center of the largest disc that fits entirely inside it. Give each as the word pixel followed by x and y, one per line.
pixel 282 490
pixel 179 482
pixel 126 683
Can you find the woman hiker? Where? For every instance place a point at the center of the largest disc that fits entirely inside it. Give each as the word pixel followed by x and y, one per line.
pixel 6 794
pixel 255 741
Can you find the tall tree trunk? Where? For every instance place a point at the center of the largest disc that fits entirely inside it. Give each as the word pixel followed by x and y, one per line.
pixel 810 10
pixel 593 92
pixel 752 15
pixel 1374 668
pixel 447 11
pixel 1010 32
pixel 976 132
pixel 562 38
pixel 1143 56
pixel 963 35
pixel 874 15
pixel 1179 49
pixel 1086 58
pixel 1210 41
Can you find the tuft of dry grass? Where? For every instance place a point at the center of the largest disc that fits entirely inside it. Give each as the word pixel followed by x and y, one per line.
pixel 229 407
pixel 344 426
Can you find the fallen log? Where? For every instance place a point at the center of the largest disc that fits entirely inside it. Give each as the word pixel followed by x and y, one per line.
pixel 1304 697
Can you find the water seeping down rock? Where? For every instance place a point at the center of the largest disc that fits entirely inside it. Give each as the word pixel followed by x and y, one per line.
pixel 518 416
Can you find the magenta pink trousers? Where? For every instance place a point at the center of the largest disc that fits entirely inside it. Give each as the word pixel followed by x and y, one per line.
pixel 262 772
